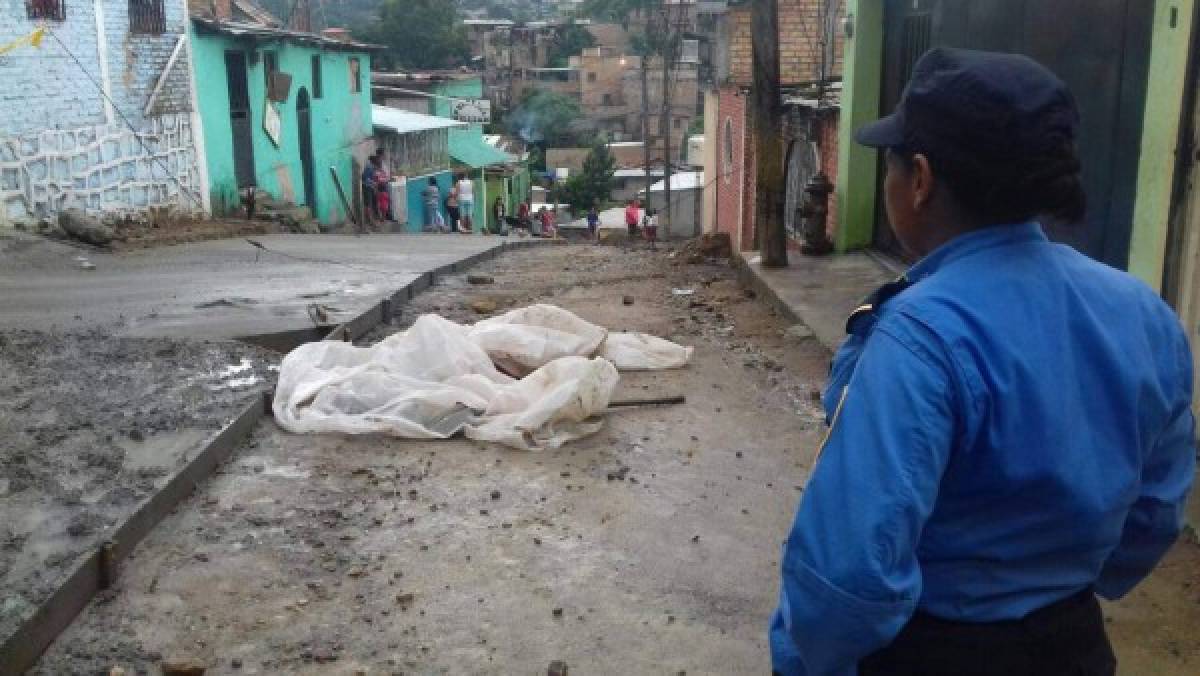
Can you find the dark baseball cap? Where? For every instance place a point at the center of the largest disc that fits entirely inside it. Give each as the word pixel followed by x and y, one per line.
pixel 987 106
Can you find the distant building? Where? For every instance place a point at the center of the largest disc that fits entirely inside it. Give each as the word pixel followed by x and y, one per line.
pixel 477 30
pixel 114 133
pixel 686 204
pixel 810 68
pixel 495 173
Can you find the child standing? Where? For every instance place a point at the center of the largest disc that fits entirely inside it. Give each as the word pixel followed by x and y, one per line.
pixel 593 224
pixel 650 225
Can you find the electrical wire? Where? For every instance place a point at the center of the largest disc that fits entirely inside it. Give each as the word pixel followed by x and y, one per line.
pixel 136 134
pixel 326 261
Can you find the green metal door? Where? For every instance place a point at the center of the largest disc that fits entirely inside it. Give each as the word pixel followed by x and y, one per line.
pixel 1100 48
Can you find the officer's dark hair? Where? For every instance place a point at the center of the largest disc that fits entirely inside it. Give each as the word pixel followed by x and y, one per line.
pixel 1011 191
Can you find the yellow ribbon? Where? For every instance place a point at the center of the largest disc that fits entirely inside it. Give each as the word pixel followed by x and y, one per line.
pixel 34 39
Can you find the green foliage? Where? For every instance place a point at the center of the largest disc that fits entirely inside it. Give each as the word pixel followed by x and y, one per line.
pixel 696 127
pixel 418 34
pixel 545 118
pixel 593 185
pixel 572 39
pixel 615 10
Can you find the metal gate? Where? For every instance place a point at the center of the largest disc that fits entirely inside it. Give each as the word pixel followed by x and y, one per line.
pixel 1100 48
pixel 802 165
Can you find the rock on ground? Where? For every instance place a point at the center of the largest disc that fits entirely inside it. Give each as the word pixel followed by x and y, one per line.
pixel 81 226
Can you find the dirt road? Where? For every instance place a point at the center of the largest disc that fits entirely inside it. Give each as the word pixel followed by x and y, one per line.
pixel 651 547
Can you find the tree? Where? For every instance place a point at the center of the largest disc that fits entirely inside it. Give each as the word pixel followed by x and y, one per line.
pixel 572 39
pixel 593 185
pixel 418 34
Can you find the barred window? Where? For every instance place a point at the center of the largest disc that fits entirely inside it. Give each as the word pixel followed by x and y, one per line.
pixel 46 9
pixel 147 17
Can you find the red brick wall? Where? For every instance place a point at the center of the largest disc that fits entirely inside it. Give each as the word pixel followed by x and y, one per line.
pixel 731 176
pixel 827 146
pixel 736 186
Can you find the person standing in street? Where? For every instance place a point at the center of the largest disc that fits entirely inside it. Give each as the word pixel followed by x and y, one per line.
pixel 431 198
pixel 650 228
pixel 1010 423
pixel 370 186
pixel 593 224
pixel 466 202
pixel 633 214
pixel 452 206
pixel 499 216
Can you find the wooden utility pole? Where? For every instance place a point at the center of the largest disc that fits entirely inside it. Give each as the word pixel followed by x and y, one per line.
pixel 645 66
pixel 668 53
pixel 767 100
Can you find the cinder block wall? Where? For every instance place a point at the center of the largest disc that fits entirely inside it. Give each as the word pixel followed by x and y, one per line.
pixel 59 145
pixel 799 43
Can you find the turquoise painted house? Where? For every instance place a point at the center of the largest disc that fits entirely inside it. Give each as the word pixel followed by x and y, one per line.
pixel 283 112
pixel 469 152
pixel 494 172
pixel 416 146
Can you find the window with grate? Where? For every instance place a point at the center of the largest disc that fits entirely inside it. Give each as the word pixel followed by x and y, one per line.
pixel 147 17
pixel 55 10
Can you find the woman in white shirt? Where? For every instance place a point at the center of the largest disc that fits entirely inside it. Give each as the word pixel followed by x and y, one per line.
pixel 466 202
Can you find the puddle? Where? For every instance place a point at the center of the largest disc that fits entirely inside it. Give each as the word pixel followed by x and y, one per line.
pixel 235 383
pixel 234 369
pixel 161 450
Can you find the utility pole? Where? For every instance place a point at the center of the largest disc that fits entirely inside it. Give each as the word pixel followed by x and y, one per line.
pixel 645 67
pixel 767 101
pixel 668 53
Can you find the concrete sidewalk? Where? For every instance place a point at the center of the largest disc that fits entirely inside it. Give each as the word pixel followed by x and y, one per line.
pixel 819 292
pixel 216 289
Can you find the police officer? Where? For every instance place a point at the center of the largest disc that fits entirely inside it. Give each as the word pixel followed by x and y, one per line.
pixel 1010 423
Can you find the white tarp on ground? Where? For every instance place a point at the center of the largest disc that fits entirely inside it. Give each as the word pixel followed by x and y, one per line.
pixel 439 377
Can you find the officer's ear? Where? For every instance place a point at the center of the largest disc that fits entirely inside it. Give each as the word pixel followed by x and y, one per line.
pixel 921 181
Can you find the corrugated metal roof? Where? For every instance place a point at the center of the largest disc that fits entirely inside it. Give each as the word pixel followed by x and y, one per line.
pixel 468 148
pixel 241 29
pixel 405 122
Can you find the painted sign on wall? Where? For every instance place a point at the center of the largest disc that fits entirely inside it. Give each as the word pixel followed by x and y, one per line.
pixel 473 111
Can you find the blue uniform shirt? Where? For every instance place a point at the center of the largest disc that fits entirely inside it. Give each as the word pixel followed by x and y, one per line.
pixel 1013 427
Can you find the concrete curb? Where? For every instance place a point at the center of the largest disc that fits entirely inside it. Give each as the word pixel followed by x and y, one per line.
pixel 748 278
pixel 384 310
pixel 98 570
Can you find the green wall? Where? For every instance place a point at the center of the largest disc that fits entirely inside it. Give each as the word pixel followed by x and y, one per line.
pixel 341 122
pixel 1160 138
pixel 858 166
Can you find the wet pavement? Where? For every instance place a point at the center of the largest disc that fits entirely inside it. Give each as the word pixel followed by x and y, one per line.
pixel 216 289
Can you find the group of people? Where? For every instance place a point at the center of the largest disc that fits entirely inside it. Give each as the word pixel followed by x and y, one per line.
pixel 648 227
pixel 377 202
pixel 459 205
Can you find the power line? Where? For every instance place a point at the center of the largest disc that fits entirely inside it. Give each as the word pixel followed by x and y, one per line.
pixel 136 134
pixel 326 261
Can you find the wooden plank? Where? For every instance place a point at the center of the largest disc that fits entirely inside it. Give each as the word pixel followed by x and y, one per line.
pixel 25 646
